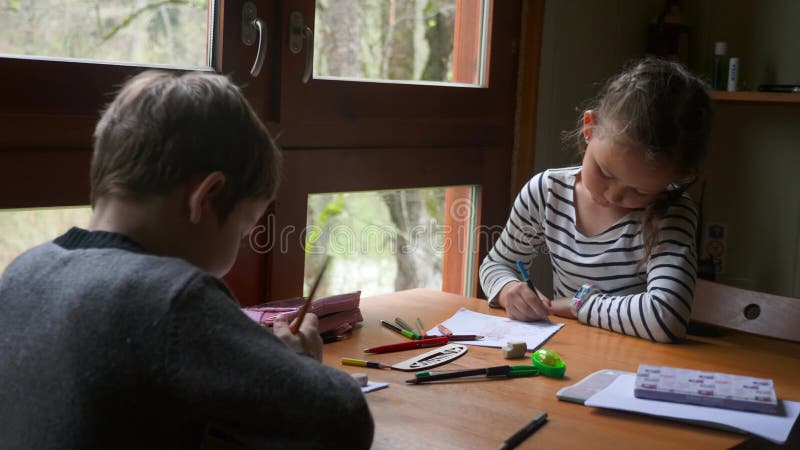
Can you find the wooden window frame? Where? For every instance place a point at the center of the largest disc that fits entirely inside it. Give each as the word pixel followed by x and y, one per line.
pixel 433 135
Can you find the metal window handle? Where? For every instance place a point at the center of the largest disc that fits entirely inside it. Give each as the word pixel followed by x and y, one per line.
pixel 252 28
pixel 298 32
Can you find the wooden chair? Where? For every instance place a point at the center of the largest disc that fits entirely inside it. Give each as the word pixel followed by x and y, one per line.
pixel 744 310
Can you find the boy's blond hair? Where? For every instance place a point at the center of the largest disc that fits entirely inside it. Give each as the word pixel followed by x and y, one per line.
pixel 164 128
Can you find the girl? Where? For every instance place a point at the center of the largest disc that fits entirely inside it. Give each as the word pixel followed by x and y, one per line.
pixel 619 229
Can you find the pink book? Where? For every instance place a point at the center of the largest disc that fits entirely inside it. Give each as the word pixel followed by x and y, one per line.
pixel 337 313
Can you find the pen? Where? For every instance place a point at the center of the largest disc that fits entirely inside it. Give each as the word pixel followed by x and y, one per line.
pixel 407 327
pixel 530 284
pixel 525 432
pixel 362 363
pixel 330 336
pixel 421 328
pixel 397 329
pixel 525 276
pixel 295 327
pixel 498 371
pixel 464 337
pixel 410 345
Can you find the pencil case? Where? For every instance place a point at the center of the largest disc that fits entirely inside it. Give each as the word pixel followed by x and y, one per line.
pixel 720 390
pixel 337 313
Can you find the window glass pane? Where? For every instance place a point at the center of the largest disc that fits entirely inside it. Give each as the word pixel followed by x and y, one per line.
pixel 139 31
pixel 21 229
pixel 386 241
pixel 416 40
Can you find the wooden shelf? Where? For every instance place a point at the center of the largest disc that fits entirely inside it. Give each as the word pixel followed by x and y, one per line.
pixel 753 96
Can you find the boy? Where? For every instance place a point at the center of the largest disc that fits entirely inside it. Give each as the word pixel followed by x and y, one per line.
pixel 123 336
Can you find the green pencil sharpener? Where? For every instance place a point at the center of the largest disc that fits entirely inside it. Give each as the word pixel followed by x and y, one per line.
pixel 549 363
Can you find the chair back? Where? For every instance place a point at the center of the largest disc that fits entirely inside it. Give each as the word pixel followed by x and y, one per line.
pixel 745 310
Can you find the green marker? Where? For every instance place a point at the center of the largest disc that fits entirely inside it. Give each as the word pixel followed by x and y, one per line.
pixel 406 327
pixel 406 333
pixel 499 371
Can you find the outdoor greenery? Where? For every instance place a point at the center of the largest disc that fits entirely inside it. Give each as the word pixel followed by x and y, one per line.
pixel 398 232
pixel 170 32
pixel 394 233
pixel 22 229
pixel 374 251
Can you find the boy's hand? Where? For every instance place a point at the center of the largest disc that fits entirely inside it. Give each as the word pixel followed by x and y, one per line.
pixel 307 338
pixel 521 303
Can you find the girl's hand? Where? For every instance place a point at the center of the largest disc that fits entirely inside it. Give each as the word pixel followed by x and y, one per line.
pixel 521 303
pixel 307 338
pixel 560 307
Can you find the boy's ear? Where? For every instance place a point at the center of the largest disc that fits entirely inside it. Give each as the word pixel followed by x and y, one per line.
pixel 588 124
pixel 202 194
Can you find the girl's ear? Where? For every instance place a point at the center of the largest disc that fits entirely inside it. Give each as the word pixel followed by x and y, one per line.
pixel 202 194
pixel 588 124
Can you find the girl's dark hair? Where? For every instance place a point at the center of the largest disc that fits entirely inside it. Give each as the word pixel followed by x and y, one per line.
pixel 164 128
pixel 662 108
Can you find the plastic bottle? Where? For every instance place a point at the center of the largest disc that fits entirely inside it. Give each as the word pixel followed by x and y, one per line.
pixel 733 74
pixel 719 74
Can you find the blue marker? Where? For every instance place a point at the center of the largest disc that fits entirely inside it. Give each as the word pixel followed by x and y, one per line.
pixel 528 281
pixel 525 276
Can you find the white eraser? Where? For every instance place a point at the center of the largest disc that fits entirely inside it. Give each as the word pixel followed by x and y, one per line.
pixel 514 350
pixel 361 378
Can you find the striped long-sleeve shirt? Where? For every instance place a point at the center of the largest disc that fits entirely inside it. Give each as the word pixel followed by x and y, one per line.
pixel 651 300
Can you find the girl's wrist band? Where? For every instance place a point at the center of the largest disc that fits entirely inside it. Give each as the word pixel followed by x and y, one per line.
pixel 580 297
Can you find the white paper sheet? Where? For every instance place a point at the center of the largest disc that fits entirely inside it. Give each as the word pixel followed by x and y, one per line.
pixel 775 428
pixel 497 331
pixel 373 386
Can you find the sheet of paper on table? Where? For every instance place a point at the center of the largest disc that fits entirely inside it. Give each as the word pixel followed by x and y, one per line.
pixel 773 427
pixel 497 331
pixel 373 386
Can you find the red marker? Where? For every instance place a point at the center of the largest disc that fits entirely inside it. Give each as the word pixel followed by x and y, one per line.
pixel 408 345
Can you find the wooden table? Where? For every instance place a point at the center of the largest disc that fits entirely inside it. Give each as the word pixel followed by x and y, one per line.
pixel 482 414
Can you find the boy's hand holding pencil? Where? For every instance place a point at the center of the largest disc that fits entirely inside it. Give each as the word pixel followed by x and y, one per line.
pixel 307 338
pixel 303 334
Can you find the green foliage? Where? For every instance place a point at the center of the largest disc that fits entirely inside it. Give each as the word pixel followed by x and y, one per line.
pixel 323 220
pixel 170 32
pixel 21 229
pixel 150 6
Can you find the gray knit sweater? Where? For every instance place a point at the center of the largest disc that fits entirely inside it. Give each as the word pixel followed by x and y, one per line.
pixel 103 345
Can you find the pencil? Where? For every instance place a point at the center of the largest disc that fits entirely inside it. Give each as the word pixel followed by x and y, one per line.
pixel 362 363
pixel 295 327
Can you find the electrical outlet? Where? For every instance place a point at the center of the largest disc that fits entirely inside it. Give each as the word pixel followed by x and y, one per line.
pixel 715 245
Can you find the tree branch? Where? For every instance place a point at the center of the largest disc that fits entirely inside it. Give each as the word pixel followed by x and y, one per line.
pixel 127 20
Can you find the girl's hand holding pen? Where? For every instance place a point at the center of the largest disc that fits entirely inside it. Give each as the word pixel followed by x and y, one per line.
pixel 522 303
pixel 306 340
